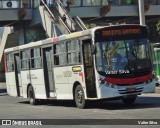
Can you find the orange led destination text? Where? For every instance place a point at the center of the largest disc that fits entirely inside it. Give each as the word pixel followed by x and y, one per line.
pixel 121 32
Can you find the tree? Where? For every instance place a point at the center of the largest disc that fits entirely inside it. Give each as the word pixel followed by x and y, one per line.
pixel 128 1
pixel 158 27
pixel 71 2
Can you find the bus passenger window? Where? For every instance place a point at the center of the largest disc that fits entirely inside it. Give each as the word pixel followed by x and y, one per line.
pixel 73 52
pixel 56 56
pixel 56 60
pixel 60 54
pixel 25 59
pixel 36 61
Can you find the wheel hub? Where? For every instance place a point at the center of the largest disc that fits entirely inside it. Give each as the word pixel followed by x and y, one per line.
pixel 79 96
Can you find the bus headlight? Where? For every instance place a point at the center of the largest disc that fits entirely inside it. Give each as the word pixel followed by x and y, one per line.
pixel 107 84
pixel 112 86
pixel 101 81
pixel 147 82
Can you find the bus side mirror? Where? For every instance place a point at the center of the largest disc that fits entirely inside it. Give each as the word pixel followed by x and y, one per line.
pixel 94 49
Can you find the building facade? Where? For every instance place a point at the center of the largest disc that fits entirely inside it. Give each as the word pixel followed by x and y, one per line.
pixel 106 12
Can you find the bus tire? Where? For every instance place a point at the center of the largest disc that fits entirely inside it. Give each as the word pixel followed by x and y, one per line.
pixel 129 101
pixel 79 97
pixel 31 96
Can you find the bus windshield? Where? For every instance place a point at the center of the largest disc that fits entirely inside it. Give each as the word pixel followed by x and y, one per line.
pixel 123 56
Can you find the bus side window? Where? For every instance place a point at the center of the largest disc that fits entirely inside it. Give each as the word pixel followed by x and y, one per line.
pixel 73 52
pixel 36 61
pixel 25 59
pixel 56 57
pixel 10 62
pixel 60 54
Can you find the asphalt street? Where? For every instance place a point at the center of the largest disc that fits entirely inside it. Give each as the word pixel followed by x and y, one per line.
pixel 147 106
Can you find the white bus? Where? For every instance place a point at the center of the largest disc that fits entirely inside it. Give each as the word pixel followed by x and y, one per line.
pixel 111 62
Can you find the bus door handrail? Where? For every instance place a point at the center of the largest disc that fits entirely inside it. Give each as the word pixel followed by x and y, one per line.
pixel 63 13
pixel 51 14
pixel 81 24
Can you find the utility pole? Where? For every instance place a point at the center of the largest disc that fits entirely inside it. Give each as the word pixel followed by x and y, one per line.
pixel 141 12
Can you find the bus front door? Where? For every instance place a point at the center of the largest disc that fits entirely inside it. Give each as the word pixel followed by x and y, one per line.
pixel 48 71
pixel 89 69
pixel 17 74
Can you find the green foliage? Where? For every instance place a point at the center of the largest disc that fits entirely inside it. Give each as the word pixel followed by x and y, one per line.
pixel 158 27
pixel 90 25
pixel 71 2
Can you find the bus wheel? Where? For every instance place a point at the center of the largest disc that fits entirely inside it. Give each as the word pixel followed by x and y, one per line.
pixel 129 101
pixel 79 97
pixel 31 96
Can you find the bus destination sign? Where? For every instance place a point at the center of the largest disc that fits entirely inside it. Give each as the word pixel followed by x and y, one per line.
pixel 125 32
pixel 121 32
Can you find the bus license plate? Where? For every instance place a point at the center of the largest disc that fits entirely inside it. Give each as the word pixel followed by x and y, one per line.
pixel 131 89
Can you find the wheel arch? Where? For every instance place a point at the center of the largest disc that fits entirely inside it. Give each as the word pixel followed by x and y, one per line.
pixel 74 87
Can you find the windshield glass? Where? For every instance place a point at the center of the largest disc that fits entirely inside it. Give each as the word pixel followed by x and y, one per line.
pixel 122 56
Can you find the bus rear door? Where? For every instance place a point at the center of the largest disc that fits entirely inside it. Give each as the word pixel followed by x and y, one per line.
pixel 48 71
pixel 17 74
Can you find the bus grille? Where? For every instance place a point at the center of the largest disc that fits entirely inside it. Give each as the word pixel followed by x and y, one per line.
pixel 125 91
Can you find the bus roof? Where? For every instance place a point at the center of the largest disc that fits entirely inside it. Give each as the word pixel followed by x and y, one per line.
pixel 49 40
pixel 61 38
